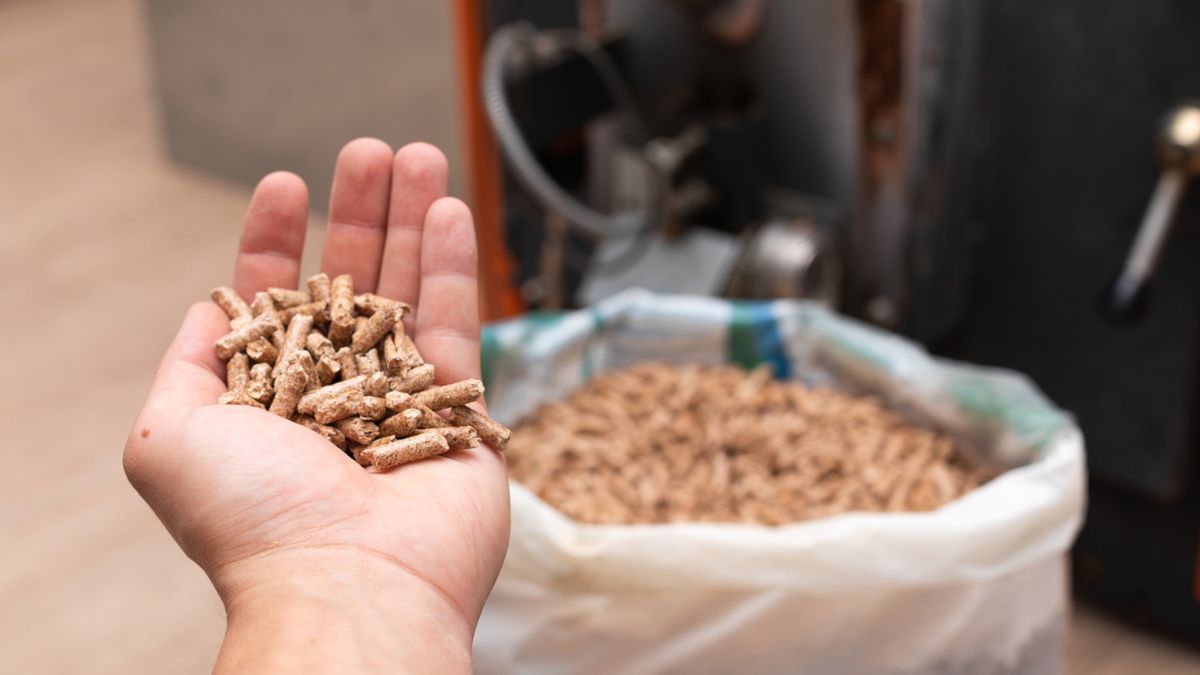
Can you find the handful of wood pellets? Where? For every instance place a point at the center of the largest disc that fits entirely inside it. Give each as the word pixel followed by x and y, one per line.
pixel 656 443
pixel 342 366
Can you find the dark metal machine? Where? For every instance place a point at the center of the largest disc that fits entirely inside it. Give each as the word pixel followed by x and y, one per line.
pixel 1004 182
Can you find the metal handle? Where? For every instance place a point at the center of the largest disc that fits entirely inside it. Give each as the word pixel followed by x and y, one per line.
pixel 1179 155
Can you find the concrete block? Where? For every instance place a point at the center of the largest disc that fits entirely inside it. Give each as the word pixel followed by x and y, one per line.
pixel 251 86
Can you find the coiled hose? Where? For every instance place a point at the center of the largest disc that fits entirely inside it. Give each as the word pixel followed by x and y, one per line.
pixel 521 159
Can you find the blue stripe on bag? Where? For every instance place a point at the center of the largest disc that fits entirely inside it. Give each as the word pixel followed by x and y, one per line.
pixel 754 338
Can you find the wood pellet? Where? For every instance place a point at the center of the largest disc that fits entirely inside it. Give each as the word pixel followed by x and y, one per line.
pixel 659 444
pixel 342 366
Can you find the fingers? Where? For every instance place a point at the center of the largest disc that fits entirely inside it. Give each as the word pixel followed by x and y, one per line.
pixel 273 235
pixel 358 212
pixel 447 330
pixel 419 176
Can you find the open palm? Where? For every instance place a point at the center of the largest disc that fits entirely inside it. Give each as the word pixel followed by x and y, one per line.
pixel 235 484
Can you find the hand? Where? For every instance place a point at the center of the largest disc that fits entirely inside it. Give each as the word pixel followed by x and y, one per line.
pixel 296 536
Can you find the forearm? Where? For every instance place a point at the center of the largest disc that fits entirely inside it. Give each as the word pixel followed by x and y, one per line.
pixel 344 616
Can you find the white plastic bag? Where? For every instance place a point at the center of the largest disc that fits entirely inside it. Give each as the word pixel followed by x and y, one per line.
pixel 975 587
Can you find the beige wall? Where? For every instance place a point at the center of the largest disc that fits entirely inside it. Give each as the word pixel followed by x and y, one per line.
pixel 250 86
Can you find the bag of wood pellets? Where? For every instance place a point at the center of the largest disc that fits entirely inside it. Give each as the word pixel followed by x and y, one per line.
pixel 971 584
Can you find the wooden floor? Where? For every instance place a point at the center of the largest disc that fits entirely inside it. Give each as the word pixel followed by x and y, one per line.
pixel 104 244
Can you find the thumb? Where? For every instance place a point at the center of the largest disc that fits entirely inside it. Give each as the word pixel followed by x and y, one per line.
pixel 189 376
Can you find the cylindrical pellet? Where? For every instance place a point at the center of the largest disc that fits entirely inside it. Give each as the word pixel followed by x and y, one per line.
pixel 327 369
pixel 372 408
pixel 236 340
pixel 322 350
pixel 415 379
pixel 405 450
pixel 262 351
pixel 368 362
pixel 344 405
pixel 318 287
pixel 302 357
pixel 368 304
pixel 288 388
pixel 260 388
pixel 288 297
pixel 341 310
pixel 237 372
pixel 317 310
pixel 237 377
pixel 492 432
pixel 450 395
pixel 357 429
pixel 392 363
pixel 234 306
pixel 347 361
pixel 398 400
pixel 401 424
pixel 376 385
pixel 319 345
pixel 263 305
pixel 294 339
pixel 310 400
pixel 357 450
pixel 374 329
pixel 459 438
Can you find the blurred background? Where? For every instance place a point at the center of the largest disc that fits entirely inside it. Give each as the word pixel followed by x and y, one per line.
pixel 1006 184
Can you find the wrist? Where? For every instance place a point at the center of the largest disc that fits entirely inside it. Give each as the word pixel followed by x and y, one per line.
pixel 345 609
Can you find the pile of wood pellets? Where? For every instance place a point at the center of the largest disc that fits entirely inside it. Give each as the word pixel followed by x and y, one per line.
pixel 342 366
pixel 658 444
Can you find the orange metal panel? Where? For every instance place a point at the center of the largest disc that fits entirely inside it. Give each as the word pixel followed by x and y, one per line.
pixel 499 295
